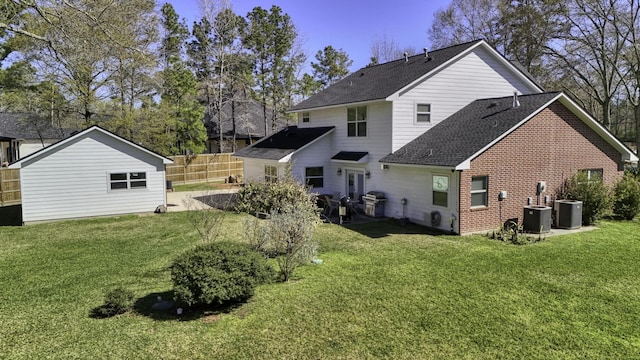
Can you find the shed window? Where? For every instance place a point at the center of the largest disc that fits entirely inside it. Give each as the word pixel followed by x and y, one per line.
pixel 132 180
pixel 305 117
pixel 314 176
pixel 479 191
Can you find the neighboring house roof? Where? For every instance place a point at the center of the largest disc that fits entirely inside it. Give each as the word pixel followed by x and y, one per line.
pixel 20 126
pixel 249 121
pixel 283 143
pixel 379 82
pixel 25 161
pixel 455 141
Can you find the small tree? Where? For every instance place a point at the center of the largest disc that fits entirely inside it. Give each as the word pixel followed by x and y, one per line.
pixel 627 197
pixel 593 193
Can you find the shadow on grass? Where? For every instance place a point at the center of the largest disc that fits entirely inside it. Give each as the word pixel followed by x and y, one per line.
pixel 144 306
pixel 387 227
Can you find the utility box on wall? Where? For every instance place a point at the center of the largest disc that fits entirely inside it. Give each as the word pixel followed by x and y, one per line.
pixel 537 219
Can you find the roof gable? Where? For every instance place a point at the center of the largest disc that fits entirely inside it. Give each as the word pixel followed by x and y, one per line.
pixel 283 143
pixel 382 81
pixel 80 135
pixel 454 142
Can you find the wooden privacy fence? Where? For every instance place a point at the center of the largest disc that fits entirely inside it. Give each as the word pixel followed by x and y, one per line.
pixel 204 168
pixel 9 187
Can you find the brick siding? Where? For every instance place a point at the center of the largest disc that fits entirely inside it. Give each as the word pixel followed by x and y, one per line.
pixel 551 147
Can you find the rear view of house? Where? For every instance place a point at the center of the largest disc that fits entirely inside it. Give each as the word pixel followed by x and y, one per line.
pixel 92 173
pixel 22 134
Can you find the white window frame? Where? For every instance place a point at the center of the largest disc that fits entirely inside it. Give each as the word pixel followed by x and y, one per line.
pixel 446 189
pixel 308 177
pixel 418 113
pixel 484 191
pixel 356 121
pixel 131 180
pixel 270 173
pixel 592 172
pixel 306 117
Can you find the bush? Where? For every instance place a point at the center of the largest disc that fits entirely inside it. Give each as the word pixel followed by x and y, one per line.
pixel 593 193
pixel 117 301
pixel 218 273
pixel 627 197
pixel 269 197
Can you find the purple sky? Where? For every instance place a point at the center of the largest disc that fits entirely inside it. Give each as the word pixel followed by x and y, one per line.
pixel 348 24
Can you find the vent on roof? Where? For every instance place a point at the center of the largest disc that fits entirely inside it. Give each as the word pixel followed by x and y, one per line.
pixel 406 56
pixel 516 103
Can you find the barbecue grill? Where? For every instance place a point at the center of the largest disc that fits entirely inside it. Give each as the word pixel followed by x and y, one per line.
pixel 374 203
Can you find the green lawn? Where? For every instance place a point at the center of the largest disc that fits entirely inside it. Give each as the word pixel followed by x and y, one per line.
pixel 383 291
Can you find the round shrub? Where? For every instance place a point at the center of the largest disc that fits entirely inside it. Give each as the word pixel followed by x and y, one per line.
pixel 218 273
pixel 117 301
pixel 627 197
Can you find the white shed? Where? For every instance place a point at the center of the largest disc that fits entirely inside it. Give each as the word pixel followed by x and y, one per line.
pixel 92 173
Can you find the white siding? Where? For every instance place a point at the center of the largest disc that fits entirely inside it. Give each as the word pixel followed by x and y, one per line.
pixel 377 143
pixel 414 184
pixel 73 181
pixel 317 154
pixel 475 76
pixel 254 168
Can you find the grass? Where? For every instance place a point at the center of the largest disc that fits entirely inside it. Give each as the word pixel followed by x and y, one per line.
pixel 383 291
pixel 203 186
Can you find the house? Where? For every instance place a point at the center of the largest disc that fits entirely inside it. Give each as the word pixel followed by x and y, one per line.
pixel 21 135
pixel 247 128
pixel 457 139
pixel 92 173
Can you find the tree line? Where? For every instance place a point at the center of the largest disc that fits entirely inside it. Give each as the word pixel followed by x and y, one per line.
pixel 136 68
pixel 143 74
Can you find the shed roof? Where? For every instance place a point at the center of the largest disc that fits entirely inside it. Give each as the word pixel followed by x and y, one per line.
pixel 25 161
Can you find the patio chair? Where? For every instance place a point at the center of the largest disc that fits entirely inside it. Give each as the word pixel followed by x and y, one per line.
pixel 329 206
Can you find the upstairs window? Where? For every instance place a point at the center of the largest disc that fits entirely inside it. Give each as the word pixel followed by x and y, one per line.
pixel 357 121
pixel 314 176
pixel 305 117
pixel 479 191
pixel 423 113
pixel 124 181
pixel 270 173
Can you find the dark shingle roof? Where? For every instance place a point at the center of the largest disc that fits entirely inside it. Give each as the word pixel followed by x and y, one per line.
pixel 19 126
pixel 249 121
pixel 466 132
pixel 349 155
pixel 380 81
pixel 283 143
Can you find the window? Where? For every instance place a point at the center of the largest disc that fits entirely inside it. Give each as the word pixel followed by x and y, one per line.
pixel 124 181
pixel 270 173
pixel 313 176
pixel 357 121
pixel 423 113
pixel 440 190
pixel 305 117
pixel 593 174
pixel 479 191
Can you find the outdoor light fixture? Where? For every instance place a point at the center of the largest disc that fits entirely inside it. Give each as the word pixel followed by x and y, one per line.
pixel 367 174
pixel 339 171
